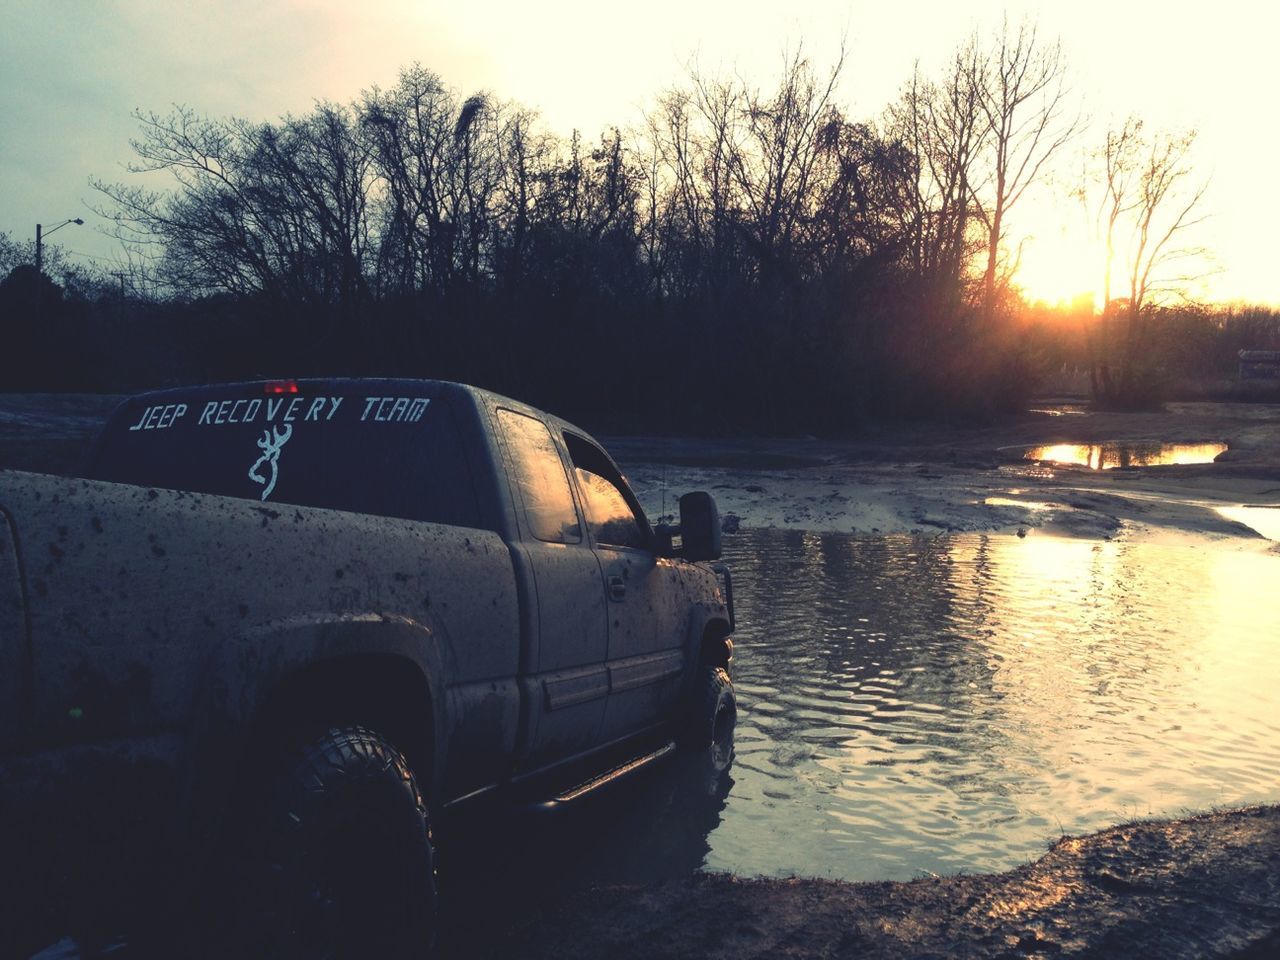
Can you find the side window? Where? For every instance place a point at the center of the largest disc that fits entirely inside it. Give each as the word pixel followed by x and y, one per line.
pixel 539 474
pixel 608 514
pixel 609 511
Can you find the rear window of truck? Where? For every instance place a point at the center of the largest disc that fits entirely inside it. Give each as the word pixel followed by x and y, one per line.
pixel 388 449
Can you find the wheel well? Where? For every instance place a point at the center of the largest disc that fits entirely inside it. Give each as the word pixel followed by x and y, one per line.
pixel 717 646
pixel 387 694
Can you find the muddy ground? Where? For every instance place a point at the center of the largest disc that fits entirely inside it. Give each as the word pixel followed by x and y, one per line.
pixel 1207 886
pixel 1204 886
pixel 928 479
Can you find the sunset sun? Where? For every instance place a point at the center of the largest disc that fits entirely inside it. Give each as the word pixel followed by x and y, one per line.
pixel 1061 264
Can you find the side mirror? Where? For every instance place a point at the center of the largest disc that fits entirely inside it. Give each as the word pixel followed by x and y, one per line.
pixel 699 527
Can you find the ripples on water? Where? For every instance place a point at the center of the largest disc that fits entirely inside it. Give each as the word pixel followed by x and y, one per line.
pixel 911 705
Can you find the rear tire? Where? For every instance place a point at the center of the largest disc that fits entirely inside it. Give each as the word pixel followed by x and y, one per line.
pixel 336 860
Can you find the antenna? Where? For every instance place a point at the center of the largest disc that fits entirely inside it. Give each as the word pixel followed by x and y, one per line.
pixel 664 491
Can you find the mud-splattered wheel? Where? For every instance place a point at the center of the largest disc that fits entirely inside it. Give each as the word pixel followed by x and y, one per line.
pixel 712 715
pixel 338 859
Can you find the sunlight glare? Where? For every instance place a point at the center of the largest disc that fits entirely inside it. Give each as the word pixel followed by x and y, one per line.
pixel 1061 265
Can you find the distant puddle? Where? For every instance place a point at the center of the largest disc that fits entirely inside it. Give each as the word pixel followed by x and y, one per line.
pixel 1010 502
pixel 1106 456
pixel 1062 410
pixel 1265 520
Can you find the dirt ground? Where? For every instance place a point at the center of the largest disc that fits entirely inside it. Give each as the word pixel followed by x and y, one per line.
pixel 1204 886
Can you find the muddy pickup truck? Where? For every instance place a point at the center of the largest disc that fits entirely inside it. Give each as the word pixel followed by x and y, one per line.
pixel 278 628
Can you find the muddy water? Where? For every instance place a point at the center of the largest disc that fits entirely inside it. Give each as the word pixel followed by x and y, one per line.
pixel 914 705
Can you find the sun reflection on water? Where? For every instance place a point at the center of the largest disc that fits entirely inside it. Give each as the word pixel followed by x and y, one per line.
pixel 1107 456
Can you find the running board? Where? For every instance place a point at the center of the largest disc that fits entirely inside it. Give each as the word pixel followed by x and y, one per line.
pixel 573 794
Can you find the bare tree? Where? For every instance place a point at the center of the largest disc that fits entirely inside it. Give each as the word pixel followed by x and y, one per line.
pixel 440 165
pixel 942 126
pixel 735 175
pixel 1168 204
pixel 1119 170
pixel 276 209
pixel 777 161
pixel 865 210
pixel 1022 94
pixel 1148 198
pixel 693 136
pixel 527 159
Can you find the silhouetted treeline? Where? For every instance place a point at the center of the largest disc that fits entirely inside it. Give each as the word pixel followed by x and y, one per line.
pixel 1186 351
pixel 745 260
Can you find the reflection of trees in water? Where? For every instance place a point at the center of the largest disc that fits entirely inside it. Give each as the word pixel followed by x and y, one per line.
pixel 858 682
pixel 978 668
pixel 827 613
pixel 1106 456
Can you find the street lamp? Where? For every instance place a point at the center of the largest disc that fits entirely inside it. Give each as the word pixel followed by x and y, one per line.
pixel 41 233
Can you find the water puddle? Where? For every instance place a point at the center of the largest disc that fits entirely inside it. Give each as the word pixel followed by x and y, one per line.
pixel 911 705
pixel 1062 410
pixel 1265 520
pixel 1035 505
pixel 1106 456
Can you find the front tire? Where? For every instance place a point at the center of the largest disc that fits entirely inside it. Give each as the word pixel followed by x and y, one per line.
pixel 337 860
pixel 711 718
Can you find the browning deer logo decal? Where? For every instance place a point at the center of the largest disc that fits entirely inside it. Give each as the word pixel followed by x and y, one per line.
pixel 271 442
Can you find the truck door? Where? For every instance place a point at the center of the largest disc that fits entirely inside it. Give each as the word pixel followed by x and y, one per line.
pixel 566 677
pixel 646 597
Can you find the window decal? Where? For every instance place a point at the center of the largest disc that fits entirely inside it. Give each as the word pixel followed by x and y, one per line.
pixel 271 442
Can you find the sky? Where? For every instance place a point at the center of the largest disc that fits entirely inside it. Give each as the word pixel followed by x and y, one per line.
pixel 72 72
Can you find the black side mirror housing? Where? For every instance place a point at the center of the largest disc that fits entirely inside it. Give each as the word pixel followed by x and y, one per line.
pixel 699 527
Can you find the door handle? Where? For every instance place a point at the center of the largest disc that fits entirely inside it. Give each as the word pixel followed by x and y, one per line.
pixel 617 589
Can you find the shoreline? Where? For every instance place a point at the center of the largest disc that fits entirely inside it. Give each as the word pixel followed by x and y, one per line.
pixel 1204 887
